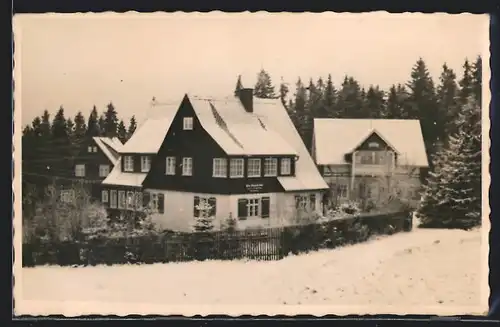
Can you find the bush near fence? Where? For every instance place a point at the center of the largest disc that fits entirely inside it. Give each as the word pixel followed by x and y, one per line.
pixel 262 244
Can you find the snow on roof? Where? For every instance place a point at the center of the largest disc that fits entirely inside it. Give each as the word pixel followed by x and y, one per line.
pixel 237 131
pixel 104 142
pixel 150 135
pixel 333 138
pixel 117 177
pixel 273 114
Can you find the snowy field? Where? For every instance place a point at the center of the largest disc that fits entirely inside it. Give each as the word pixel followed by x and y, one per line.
pixel 435 269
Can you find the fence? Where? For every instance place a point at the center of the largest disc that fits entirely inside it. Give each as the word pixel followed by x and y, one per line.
pixel 263 244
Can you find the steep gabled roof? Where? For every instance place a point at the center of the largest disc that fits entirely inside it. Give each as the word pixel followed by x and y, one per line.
pixel 370 133
pixel 118 177
pixel 334 138
pixel 109 146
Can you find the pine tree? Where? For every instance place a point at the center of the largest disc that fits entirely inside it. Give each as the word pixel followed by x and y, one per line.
pixel 122 132
pixel 264 87
pixel 350 99
pixel 283 92
pixel 466 83
pixel 329 99
pixel 448 107
pixel 110 121
pixel 422 97
pixel 131 127
pixel 453 194
pixel 477 75
pixel 238 87
pixel 60 146
pixel 374 103
pixel 80 128
pixel 299 114
pixel 396 100
pixel 45 126
pixel 101 123
pixel 92 125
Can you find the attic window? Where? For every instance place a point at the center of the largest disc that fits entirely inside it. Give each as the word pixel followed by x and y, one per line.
pixel 188 123
pixel 373 145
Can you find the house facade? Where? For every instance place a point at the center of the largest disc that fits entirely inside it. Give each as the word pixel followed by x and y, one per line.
pixel 93 163
pixel 370 160
pixel 241 156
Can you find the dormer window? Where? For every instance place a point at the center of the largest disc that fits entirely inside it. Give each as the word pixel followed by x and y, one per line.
pixel 270 167
pixel 188 123
pixel 253 167
pixel 128 163
pixel 286 166
pixel 145 164
pixel 92 149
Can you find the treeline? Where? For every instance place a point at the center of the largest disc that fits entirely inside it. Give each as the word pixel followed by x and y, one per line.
pixel 436 106
pixel 49 145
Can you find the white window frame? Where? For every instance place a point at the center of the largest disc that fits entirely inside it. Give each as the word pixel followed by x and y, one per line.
pixel 153 202
pixel 104 170
pixel 303 202
pixel 80 170
pixel 341 191
pixel 219 167
pixel 271 167
pixel 145 164
pixel 170 166
pixel 251 172
pixel 94 149
pixel 90 149
pixel 187 166
pixel 122 200
pixel 286 166
pixel 66 196
pixel 237 168
pixel 130 200
pixel 253 207
pixel 128 163
pixel 187 123
pixel 113 200
pixel 104 196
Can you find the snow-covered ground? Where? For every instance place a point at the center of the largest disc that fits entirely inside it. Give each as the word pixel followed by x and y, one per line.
pixel 434 271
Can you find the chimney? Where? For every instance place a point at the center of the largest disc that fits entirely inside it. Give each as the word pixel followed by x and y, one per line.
pixel 246 98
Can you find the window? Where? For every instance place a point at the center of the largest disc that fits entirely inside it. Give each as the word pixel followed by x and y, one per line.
pixel 270 167
pixel 236 168
pixel 145 164
pixel 66 196
pixel 128 163
pixel 373 145
pixel 89 149
pixel 253 167
pixel 103 170
pixel 138 200
pixel 305 202
pixel 112 200
pixel 253 207
pixel 92 149
pixel 188 123
pixel 95 149
pixel 155 201
pixel 201 203
pixel 170 166
pixel 286 166
pixel 187 166
pixel 104 196
pixel 121 200
pixel 342 191
pixel 130 200
pixel 219 167
pixel 80 170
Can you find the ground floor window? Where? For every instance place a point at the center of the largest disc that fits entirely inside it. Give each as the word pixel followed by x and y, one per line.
pixel 155 201
pixel 204 205
pixel 305 202
pixel 104 196
pixel 253 207
pixel 121 200
pixel 113 199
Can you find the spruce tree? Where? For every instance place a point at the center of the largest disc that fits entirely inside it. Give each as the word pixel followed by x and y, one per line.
pixel 93 125
pixel 110 121
pixel 477 75
pixel 448 107
pixel 80 127
pixel 466 83
pixel 101 123
pixel 350 99
pixel 60 147
pixel 283 92
pixel 299 111
pixel 329 99
pixel 131 127
pixel 264 87
pixel 238 87
pixel 45 124
pixel 122 132
pixel 454 200
pixel 374 103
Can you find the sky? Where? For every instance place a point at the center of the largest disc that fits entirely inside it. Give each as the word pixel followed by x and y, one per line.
pixel 81 60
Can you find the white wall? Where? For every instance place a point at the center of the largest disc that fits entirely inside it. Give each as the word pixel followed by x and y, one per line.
pixel 178 213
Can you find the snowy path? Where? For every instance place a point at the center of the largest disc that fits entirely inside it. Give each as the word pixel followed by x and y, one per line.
pixel 421 268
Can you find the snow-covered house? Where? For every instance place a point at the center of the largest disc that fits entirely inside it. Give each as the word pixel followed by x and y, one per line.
pixel 370 159
pixel 241 155
pixel 94 161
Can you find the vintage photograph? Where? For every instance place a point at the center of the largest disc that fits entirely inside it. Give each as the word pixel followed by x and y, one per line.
pixel 251 163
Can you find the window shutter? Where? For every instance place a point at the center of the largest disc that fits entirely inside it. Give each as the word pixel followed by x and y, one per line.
pixel 145 199
pixel 213 204
pixel 312 201
pixel 196 212
pixel 242 208
pixel 265 207
pixel 161 203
